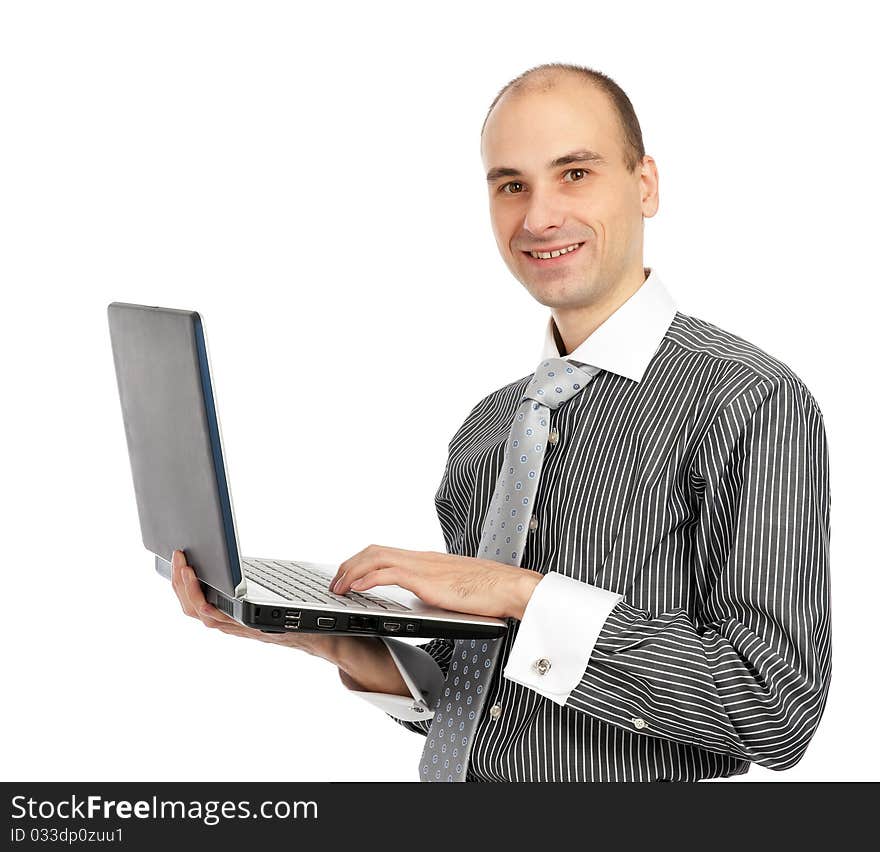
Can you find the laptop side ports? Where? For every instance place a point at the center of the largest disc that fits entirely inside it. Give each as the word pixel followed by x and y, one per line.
pixel 292 618
pixel 362 622
pixel 391 626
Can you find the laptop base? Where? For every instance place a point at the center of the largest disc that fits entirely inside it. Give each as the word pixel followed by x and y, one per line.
pixel 290 617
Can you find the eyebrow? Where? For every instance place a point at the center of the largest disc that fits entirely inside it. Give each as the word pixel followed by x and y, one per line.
pixel 582 156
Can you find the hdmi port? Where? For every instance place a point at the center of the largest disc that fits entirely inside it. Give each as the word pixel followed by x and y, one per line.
pixel 391 626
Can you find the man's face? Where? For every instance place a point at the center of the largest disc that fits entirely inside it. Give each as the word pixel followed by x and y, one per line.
pixel 542 205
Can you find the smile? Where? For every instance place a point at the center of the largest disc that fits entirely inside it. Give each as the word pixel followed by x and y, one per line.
pixel 544 257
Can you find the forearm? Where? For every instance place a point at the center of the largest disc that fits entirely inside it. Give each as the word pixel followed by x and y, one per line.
pixel 366 666
pixel 715 683
pixel 724 687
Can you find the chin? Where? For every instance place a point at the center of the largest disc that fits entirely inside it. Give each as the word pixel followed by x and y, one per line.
pixel 549 296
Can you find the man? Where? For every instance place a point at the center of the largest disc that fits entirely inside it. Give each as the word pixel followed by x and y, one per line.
pixel 669 612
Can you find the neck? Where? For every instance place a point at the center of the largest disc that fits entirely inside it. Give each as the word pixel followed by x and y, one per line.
pixel 572 327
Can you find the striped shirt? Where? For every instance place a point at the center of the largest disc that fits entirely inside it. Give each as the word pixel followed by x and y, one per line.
pixel 695 485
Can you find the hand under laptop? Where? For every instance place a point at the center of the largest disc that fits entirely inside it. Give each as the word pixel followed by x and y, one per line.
pixel 363 661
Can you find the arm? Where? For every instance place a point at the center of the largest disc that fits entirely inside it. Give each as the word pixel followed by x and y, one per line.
pixel 748 673
pixel 425 664
pixel 419 669
pixel 365 665
pixel 363 661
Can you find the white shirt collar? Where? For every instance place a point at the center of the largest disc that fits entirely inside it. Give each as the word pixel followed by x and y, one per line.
pixel 627 341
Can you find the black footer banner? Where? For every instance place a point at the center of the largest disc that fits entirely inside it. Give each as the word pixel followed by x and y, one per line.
pixel 140 815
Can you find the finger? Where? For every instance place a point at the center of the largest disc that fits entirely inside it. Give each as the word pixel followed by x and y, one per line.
pixel 192 588
pixel 178 559
pixel 341 571
pixel 175 584
pixel 210 613
pixel 194 594
pixel 369 559
pixel 359 563
pixel 217 620
pixel 178 567
pixel 378 577
pixel 233 631
pixel 183 586
pixel 217 616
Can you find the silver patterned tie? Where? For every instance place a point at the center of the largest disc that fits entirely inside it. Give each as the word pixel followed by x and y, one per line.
pixel 505 529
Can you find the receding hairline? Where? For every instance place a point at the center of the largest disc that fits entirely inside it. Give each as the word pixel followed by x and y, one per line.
pixel 543 78
pixel 542 81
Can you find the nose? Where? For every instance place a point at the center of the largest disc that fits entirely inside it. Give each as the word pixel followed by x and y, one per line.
pixel 543 213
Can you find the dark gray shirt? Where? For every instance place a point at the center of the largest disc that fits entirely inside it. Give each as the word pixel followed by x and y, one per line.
pixel 700 493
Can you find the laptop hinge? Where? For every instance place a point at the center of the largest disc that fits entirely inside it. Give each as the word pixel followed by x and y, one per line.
pixel 241 588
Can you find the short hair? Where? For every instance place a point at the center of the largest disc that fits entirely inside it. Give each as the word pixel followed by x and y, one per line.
pixel 544 77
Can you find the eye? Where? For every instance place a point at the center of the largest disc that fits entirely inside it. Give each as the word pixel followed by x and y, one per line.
pixel 517 183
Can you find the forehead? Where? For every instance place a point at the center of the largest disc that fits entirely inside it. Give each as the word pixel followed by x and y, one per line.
pixel 526 129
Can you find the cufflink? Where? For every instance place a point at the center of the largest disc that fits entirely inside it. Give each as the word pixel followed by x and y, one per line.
pixel 542 666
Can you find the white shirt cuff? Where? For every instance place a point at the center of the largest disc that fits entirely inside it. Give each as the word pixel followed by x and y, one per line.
pixel 559 627
pixel 423 678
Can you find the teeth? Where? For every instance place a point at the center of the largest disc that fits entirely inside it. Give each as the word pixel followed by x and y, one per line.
pixel 547 254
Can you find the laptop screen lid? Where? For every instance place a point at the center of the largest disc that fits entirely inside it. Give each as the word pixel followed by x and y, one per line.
pixel 174 442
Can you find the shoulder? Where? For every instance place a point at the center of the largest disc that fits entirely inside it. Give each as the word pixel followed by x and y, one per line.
pixel 733 367
pixel 503 398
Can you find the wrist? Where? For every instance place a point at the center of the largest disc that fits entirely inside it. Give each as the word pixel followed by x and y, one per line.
pixel 354 655
pixel 326 646
pixel 365 665
pixel 523 586
pixel 347 652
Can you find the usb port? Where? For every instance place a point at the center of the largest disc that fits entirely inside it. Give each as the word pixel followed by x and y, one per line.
pixel 391 626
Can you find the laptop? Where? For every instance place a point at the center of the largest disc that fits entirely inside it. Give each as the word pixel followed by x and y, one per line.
pixel 184 500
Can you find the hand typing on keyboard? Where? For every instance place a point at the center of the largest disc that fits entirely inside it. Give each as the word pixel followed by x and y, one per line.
pixel 300 583
pixel 460 583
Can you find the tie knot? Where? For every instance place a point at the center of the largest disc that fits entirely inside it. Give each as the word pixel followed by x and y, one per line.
pixel 556 381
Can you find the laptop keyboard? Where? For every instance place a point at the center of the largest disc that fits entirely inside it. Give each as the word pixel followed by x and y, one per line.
pixel 300 583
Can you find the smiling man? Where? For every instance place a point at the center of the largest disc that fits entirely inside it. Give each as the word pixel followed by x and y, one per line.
pixel 649 509
pixel 551 194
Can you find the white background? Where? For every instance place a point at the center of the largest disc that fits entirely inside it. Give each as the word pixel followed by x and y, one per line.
pixel 308 177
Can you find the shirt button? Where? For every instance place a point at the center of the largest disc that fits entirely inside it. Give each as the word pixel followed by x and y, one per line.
pixel 542 666
pixel 495 711
pixel 533 523
pixel 553 438
pixel 640 723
